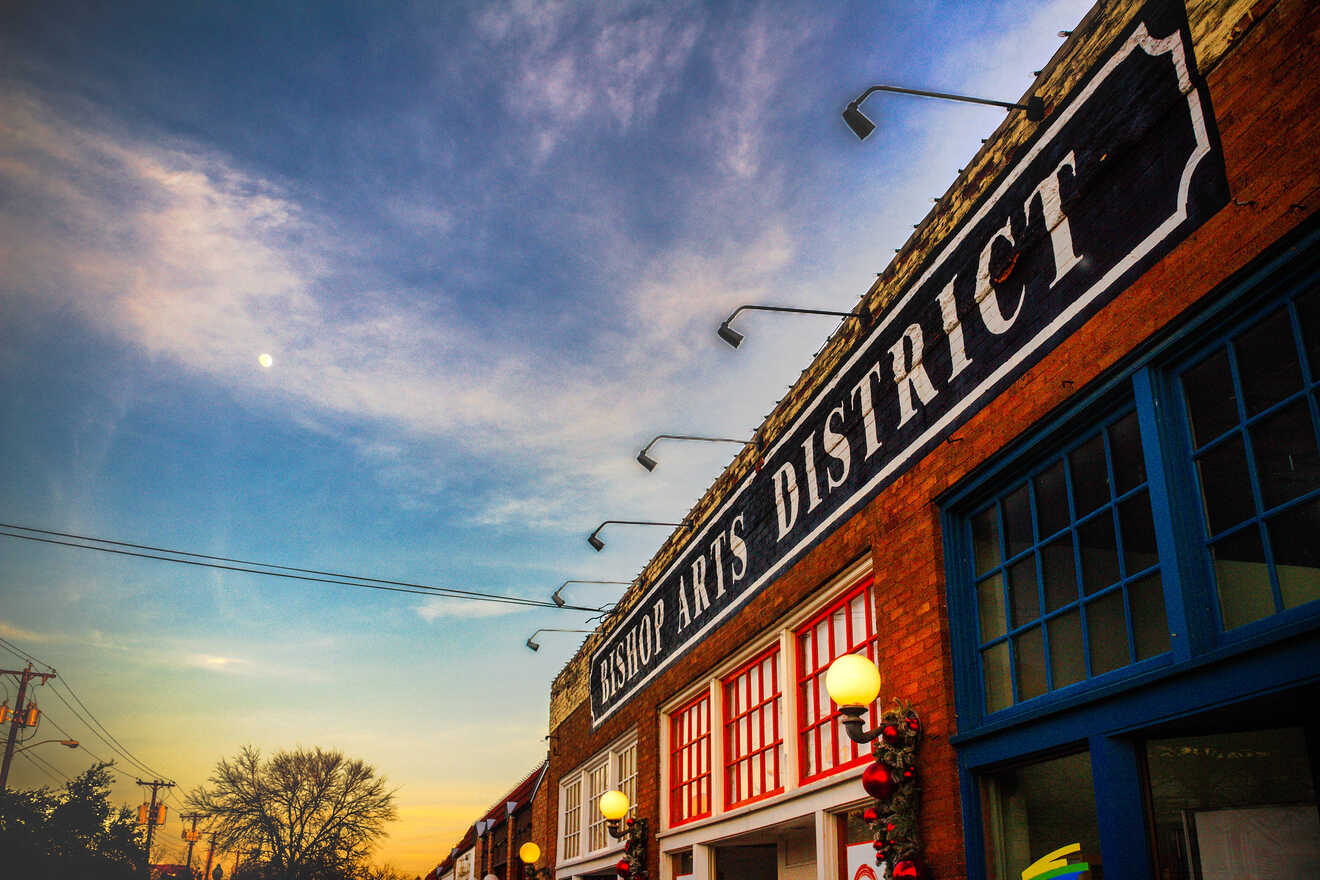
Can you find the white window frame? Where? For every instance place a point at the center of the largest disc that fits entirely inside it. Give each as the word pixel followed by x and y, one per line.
pixel 589 821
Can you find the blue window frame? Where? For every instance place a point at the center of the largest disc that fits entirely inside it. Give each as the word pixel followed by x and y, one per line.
pixel 1066 569
pixel 1252 428
pixel 1173 511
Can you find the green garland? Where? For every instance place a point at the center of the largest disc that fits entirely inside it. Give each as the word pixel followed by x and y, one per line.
pixel 894 822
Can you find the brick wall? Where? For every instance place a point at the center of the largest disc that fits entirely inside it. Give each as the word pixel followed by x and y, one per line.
pixel 1262 65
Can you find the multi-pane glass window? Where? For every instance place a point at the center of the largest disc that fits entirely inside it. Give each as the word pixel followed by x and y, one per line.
pixel 753 741
pixel 571 798
pixel 1067 574
pixel 598 781
pixel 625 771
pixel 846 626
pixel 1252 413
pixel 689 767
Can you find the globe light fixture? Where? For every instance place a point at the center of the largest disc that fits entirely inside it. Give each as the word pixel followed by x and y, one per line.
pixel 528 853
pixel 853 683
pixel 614 805
pixel 861 126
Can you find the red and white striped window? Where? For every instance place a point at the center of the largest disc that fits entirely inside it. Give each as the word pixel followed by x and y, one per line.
pixel 753 740
pixel 689 761
pixel 845 626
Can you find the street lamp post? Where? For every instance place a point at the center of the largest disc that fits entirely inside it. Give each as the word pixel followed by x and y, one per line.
pixel 67 743
pixel 614 806
pixel 853 683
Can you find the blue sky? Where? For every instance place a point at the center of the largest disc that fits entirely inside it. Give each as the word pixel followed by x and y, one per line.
pixel 486 246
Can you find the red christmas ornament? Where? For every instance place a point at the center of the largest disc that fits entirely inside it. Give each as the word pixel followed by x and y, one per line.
pixel 909 869
pixel 623 868
pixel 909 773
pixel 879 782
pixel 892 736
pixel 870 814
pixel 631 820
pixel 913 723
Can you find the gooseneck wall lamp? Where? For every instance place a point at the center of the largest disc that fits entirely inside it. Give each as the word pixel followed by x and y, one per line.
pixel 558 598
pixel 649 463
pixel 853 683
pixel 861 126
pixel 598 544
pixel 734 338
pixel 529 853
pixel 536 646
pixel 614 806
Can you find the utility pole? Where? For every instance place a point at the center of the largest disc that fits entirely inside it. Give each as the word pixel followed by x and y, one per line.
pixel 191 835
pixel 210 852
pixel 156 785
pixel 24 714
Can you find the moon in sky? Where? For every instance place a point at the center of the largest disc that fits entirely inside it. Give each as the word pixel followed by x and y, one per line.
pixel 265 360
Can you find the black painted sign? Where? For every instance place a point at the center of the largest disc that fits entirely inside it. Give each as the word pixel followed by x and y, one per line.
pixel 1125 168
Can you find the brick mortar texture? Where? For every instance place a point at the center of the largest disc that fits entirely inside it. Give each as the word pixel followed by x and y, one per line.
pixel 1263 72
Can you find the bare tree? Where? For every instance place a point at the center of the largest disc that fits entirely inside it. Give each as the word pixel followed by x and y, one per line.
pixel 304 814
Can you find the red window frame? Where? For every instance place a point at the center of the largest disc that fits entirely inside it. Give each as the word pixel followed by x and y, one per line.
pixel 753 739
pixel 689 761
pixel 823 747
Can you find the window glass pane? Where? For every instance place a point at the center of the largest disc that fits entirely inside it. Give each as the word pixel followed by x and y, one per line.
pixel 1099 553
pixel 1150 626
pixel 1267 362
pixel 1033 810
pixel 990 602
pixel 1225 485
pixel 1286 461
pixel 1067 654
pixel 1029 649
pixel 998 682
pixel 1242 578
pixel 1090 475
pixel 1022 591
pixel 1295 541
pixel 1211 400
pixel 1059 567
pixel 1125 449
pixel 1107 633
pixel 1308 310
pixel 1226 800
pixel 985 538
pixel 1051 500
pixel 1017 522
pixel 1138 525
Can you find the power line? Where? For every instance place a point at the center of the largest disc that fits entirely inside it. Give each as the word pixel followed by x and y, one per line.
pixel 124 748
pixel 202 560
pixel 108 738
pixel 44 766
pixel 15 649
pixel 119 750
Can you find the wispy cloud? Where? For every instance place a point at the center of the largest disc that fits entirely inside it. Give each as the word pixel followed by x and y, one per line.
pixel 601 63
pixel 433 609
pixel 217 663
pixel 20 635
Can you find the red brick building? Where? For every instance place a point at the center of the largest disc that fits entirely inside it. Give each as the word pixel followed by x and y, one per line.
pixel 1063 487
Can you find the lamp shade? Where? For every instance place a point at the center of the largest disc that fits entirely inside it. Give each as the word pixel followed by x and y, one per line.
pixel 853 680
pixel 613 805
pixel 529 853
